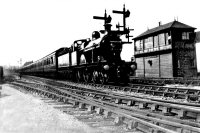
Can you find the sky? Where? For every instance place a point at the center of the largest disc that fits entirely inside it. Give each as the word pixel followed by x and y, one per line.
pixel 31 29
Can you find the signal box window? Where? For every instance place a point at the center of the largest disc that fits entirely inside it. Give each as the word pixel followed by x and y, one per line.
pixel 138 45
pixel 148 44
pixel 155 39
pixel 162 39
pixel 141 44
pixel 185 36
pixel 167 38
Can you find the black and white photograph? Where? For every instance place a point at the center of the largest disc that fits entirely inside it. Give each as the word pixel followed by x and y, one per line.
pixel 99 66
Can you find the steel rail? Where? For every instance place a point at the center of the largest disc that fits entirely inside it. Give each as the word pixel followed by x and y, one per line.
pixel 110 109
pixel 152 104
pixel 115 105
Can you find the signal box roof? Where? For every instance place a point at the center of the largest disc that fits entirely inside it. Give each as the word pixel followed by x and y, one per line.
pixel 173 24
pixel 197 37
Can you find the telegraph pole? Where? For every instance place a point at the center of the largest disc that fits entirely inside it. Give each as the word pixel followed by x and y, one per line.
pixel 125 14
pixel 106 19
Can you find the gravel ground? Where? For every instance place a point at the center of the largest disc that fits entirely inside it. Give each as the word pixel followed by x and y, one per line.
pixel 24 113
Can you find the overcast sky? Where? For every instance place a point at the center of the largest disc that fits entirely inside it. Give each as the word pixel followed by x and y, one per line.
pixel 31 29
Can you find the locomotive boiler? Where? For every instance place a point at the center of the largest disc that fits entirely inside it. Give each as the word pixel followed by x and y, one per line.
pixel 96 59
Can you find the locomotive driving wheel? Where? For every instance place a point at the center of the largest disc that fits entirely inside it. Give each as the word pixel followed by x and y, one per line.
pixel 103 77
pixel 86 76
pixel 78 76
pixel 95 76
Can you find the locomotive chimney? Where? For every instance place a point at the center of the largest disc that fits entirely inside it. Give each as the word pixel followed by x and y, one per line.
pixel 107 27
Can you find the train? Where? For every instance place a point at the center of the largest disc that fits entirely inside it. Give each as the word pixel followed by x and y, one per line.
pixel 96 59
pixel 1 73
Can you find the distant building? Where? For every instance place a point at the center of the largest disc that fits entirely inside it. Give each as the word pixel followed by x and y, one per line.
pixel 166 51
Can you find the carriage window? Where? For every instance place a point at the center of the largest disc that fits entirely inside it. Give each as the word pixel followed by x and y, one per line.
pixel 51 60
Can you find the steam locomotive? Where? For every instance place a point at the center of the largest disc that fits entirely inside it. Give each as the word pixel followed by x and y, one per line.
pixel 95 60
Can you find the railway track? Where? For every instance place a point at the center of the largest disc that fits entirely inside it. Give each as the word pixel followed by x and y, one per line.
pixel 164 81
pixel 182 95
pixel 147 103
pixel 165 117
